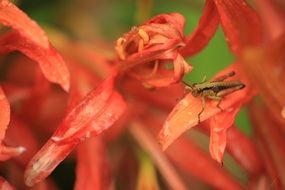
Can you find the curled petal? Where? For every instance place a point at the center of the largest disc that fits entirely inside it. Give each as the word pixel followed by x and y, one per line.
pixel 11 16
pixel 151 51
pixel 161 77
pixel 50 62
pixel 240 23
pixel 175 19
pixel 185 113
pixel 207 27
pixel 219 125
pixel 94 114
pixel 180 67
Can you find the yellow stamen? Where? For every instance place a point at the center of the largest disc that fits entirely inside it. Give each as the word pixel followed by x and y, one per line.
pixel 144 36
pixel 120 48
pixel 141 45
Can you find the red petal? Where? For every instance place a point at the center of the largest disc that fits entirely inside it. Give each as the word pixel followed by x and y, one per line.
pixel 103 102
pixel 150 54
pixel 273 18
pixel 240 23
pixel 44 162
pixel 5 114
pixel 92 170
pixel 51 63
pixel 95 113
pixel 218 138
pixel 191 159
pixel 244 152
pixel 20 134
pixel 4 185
pixel 175 19
pixel 185 113
pixel 7 152
pixel 11 16
pixel 207 27
pixel 163 77
pixel 272 139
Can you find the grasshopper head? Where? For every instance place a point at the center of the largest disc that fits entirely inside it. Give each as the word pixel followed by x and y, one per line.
pixel 195 93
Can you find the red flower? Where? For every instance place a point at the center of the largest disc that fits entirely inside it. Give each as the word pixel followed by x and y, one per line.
pixel 113 116
pixel 147 50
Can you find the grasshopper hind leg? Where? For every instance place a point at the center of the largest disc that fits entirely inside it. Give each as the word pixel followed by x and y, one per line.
pixel 224 77
pixel 219 99
pixel 219 105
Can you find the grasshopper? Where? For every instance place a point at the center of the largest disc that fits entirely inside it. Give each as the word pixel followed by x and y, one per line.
pixel 214 90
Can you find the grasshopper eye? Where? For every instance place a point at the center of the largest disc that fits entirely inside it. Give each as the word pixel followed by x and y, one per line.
pixel 195 93
pixel 216 89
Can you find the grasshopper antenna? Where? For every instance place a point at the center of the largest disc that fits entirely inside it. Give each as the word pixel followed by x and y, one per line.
pixel 188 86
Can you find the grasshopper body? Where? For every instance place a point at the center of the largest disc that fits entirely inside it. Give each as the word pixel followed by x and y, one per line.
pixel 214 90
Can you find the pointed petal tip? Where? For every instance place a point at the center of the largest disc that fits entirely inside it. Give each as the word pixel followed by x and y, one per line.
pixel 29 182
pixel 30 179
pixel 39 168
pixel 66 86
pixel 21 149
pixel 56 139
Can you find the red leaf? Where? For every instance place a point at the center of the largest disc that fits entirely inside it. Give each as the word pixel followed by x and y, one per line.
pixel 51 63
pixel 11 16
pixel 94 114
pixel 207 27
pixel 92 170
pixel 240 23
